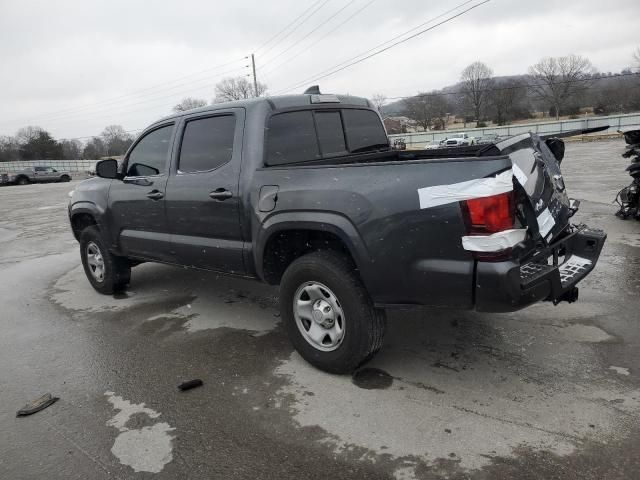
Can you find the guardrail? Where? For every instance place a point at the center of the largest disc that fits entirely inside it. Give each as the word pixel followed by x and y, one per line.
pixel 615 122
pixel 68 165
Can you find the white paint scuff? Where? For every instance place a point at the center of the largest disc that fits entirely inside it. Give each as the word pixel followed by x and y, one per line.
pixel 455 192
pixel 146 449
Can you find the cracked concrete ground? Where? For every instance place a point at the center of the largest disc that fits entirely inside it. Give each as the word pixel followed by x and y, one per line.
pixel 547 392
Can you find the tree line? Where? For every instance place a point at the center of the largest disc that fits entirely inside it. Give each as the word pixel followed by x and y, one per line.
pixel 556 86
pixel 35 143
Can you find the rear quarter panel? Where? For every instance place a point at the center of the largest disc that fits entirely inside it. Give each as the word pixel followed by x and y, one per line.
pixel 406 255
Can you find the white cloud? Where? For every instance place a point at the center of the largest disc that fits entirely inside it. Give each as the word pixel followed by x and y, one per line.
pixel 77 56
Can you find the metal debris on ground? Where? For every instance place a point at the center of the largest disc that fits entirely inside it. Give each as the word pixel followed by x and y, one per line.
pixel 190 384
pixel 36 405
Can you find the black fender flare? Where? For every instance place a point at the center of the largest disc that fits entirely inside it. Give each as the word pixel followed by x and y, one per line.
pixel 330 222
pixel 85 207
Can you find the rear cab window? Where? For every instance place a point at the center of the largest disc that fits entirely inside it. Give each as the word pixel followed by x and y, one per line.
pixel 309 135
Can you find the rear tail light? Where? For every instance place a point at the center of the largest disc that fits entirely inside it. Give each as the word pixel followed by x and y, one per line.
pixel 488 215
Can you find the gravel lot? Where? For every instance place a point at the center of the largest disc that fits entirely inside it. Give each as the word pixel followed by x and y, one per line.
pixel 548 392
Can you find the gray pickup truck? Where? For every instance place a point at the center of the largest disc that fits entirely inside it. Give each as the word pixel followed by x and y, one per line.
pixel 36 174
pixel 304 191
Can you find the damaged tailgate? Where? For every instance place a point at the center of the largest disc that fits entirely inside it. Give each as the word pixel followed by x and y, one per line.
pixel 556 255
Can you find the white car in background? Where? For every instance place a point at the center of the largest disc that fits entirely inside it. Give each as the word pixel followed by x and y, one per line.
pixel 459 140
pixel 434 145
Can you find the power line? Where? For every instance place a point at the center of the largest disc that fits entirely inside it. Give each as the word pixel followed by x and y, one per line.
pixel 286 27
pixel 105 108
pixel 306 48
pixel 313 12
pixel 131 94
pixel 297 42
pixel 348 63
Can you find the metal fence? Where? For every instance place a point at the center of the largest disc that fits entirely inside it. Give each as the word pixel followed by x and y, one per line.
pixel 68 165
pixel 615 122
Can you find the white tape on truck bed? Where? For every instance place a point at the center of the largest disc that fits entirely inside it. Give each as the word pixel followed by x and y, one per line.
pixel 455 192
pixel 494 243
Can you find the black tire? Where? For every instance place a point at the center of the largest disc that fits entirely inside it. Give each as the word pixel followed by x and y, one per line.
pixel 65 178
pixel 364 325
pixel 116 272
pixel 22 181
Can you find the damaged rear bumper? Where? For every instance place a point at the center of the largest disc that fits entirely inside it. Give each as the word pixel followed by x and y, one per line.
pixel 552 274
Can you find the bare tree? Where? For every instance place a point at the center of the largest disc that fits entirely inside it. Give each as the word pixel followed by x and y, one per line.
pixel 378 100
pixel 558 79
pixel 116 140
pixel 189 103
pixel 237 88
pixel 28 134
pixel 9 148
pixel 427 109
pixel 476 81
pixel 504 98
pixel 94 149
pixel 71 149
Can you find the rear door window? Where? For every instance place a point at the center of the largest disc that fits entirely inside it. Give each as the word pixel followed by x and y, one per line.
pixel 330 133
pixel 291 138
pixel 207 143
pixel 364 130
pixel 149 156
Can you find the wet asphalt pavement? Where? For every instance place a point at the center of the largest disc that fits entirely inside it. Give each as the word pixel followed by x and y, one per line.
pixel 548 392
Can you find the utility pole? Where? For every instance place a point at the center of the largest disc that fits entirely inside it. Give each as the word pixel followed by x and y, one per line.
pixel 255 82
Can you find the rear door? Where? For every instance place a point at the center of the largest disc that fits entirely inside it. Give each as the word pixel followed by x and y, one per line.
pixel 137 203
pixel 203 201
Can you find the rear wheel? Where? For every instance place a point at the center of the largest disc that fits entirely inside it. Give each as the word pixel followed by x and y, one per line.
pixel 328 313
pixel 22 181
pixel 106 272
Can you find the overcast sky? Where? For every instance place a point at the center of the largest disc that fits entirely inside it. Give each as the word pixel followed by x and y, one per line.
pixel 75 66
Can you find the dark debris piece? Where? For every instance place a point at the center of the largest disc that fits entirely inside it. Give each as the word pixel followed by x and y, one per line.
pixel 36 405
pixel 190 384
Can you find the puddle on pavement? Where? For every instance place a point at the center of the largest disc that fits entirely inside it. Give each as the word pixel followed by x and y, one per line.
pixel 372 379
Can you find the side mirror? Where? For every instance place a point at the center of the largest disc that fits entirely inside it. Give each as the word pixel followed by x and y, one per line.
pixel 107 168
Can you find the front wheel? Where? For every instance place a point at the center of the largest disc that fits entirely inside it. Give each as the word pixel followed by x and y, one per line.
pixel 65 178
pixel 328 313
pixel 106 272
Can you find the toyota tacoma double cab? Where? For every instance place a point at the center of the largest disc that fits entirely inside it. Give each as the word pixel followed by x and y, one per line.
pixel 305 192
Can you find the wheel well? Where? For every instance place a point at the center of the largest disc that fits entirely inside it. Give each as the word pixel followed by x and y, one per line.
pixel 284 247
pixel 81 221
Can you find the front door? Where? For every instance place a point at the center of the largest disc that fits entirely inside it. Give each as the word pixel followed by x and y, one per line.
pixel 203 204
pixel 137 203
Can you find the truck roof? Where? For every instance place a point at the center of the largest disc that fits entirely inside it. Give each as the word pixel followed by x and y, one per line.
pixel 279 102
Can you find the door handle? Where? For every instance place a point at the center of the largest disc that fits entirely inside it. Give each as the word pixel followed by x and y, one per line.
pixel 155 195
pixel 221 194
